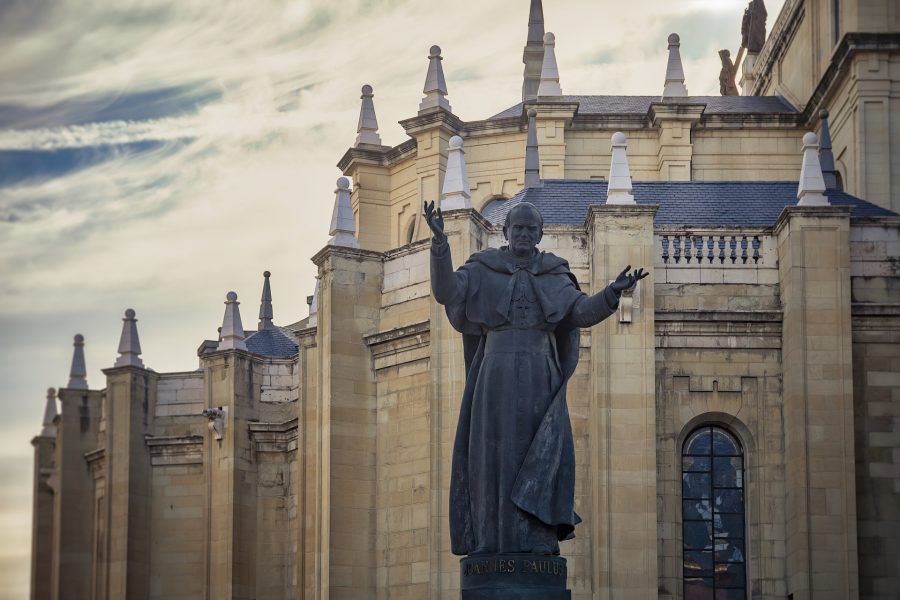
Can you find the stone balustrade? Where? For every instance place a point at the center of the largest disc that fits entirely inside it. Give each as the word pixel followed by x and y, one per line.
pixel 715 256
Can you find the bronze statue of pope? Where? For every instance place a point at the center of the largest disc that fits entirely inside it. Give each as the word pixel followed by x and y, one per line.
pixel 512 486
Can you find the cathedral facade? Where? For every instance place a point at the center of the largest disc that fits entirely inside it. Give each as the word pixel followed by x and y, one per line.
pixel 735 422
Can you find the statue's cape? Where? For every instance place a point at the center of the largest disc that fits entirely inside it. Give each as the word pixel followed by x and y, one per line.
pixel 544 485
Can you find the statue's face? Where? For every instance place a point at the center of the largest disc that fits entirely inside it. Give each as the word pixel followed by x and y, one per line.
pixel 524 232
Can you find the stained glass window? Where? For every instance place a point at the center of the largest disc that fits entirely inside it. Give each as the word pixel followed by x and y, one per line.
pixel 712 496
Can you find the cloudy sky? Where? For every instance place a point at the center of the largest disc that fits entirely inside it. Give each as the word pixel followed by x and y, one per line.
pixel 155 154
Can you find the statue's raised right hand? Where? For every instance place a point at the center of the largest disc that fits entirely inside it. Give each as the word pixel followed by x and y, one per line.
pixel 435 220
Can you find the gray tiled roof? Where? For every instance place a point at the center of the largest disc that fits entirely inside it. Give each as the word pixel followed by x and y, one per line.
pixel 640 105
pixel 273 343
pixel 694 203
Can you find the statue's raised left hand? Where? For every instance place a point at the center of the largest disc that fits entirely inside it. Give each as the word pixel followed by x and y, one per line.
pixel 627 280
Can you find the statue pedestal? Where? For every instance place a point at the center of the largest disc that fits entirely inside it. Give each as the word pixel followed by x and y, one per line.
pixel 513 577
pixel 748 77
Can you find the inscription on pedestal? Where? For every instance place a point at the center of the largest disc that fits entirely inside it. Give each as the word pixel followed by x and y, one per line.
pixel 513 576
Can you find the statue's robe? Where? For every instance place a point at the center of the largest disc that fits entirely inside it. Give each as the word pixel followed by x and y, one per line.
pixel 512 482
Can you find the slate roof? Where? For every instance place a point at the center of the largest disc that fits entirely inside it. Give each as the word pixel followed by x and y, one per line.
pixel 693 203
pixel 273 343
pixel 640 105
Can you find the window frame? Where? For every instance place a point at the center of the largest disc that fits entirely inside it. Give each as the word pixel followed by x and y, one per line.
pixel 744 547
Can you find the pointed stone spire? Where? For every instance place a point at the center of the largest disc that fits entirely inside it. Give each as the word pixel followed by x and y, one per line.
pixel 49 428
pixel 532 156
pixel 812 183
pixel 826 158
pixel 343 225
pixel 314 307
pixel 367 130
pixel 78 372
pixel 265 304
pixel 456 180
pixel 674 87
pixel 232 328
pixel 533 55
pixel 129 344
pixel 435 86
pixel 619 188
pixel 549 85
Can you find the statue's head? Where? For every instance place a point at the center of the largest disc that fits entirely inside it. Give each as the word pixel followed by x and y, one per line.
pixel 523 228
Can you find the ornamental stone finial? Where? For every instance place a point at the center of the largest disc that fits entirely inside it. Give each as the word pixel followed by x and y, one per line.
pixel 367 129
pixel 619 189
pixel 232 328
pixel 826 158
pixel 129 344
pixel 343 224
pixel 435 85
pixel 265 304
pixel 78 372
pixel 549 72
pixel 811 191
pixel 456 180
pixel 533 54
pixel 49 428
pixel 674 86
pixel 532 153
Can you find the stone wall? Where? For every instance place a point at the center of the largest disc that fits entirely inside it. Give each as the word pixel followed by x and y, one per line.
pixel 331 477
pixel 876 382
pixel 178 552
pixel 844 62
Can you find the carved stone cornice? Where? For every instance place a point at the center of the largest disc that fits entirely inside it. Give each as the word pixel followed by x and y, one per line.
pixel 850 45
pixel 96 460
pixel 618 210
pixel 605 122
pixel 549 108
pixel 411 248
pixel 400 345
pixel 714 329
pixel 494 126
pixel 816 212
pixel 674 110
pixel 175 450
pixel 364 154
pixel 468 213
pixel 431 119
pixel 750 120
pixel 306 337
pixel 275 437
pixel 330 252
pixel 382 156
pixel 402 151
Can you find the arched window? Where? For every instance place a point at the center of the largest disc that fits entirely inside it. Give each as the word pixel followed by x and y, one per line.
pixel 712 496
pixel 492 205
